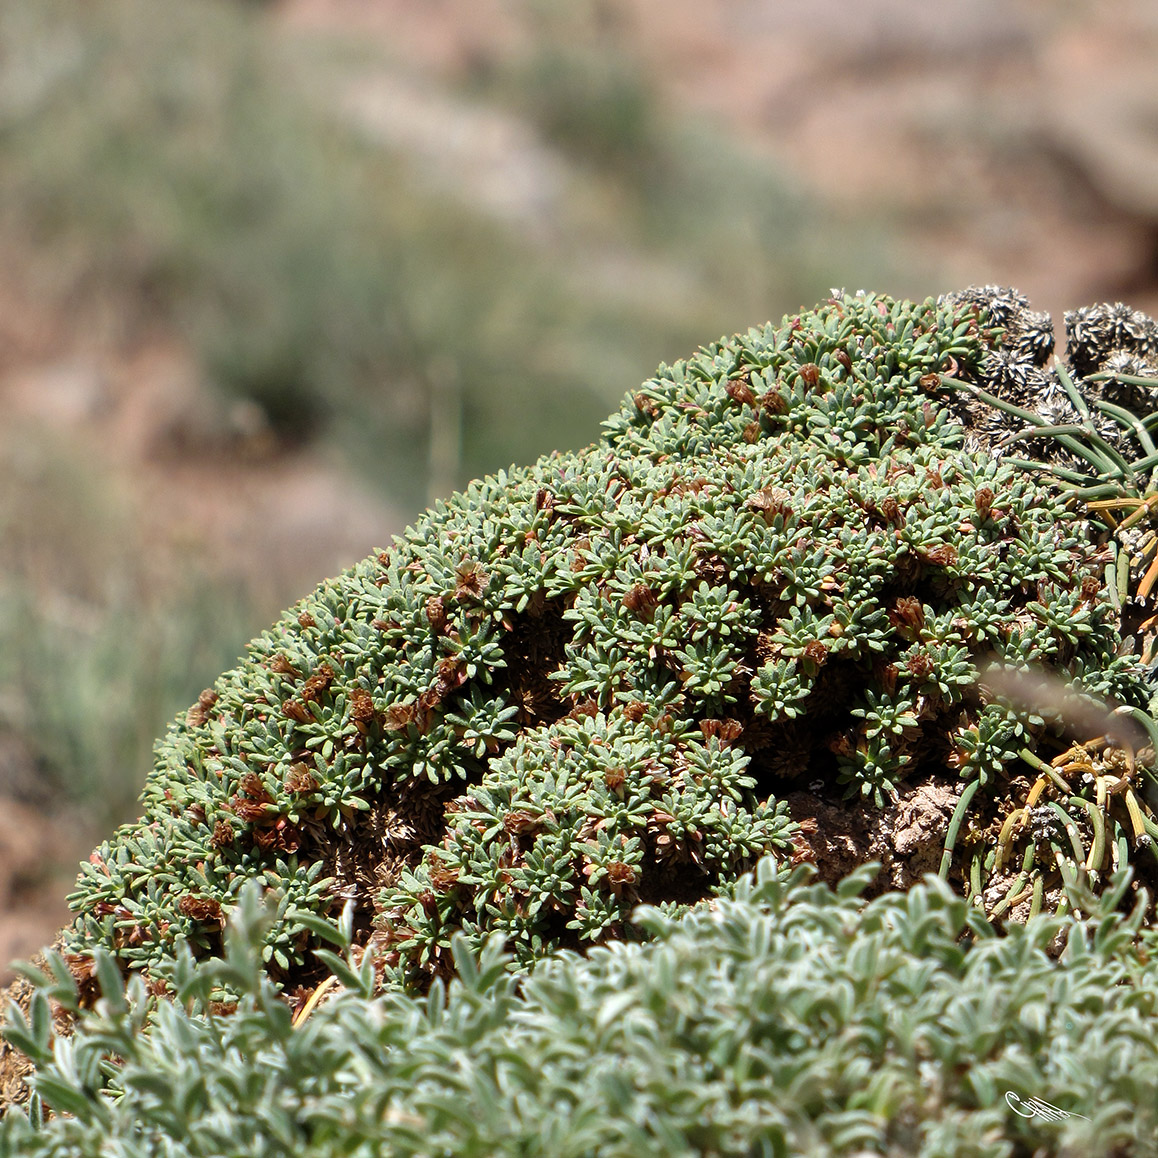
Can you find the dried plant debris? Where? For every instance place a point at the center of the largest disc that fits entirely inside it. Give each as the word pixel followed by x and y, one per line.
pixel 596 681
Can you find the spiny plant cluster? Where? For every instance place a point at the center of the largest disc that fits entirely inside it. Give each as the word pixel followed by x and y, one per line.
pixel 1100 395
pixel 589 683
pixel 1088 422
pixel 791 1020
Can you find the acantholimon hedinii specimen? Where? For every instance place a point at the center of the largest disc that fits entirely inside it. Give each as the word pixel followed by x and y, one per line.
pixel 749 620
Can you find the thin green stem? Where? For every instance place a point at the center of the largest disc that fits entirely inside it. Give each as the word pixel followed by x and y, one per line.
pixel 1129 379
pixel 1129 422
pixel 1097 819
pixel 975 875
pixel 1111 585
pixel 963 803
pixel 1149 725
pixel 1040 765
pixel 1038 895
pixel 1104 490
pixel 1107 462
pixel 1145 464
pixel 1071 830
pixel 1075 395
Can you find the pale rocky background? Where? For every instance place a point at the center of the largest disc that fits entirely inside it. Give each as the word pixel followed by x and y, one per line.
pixel 1013 142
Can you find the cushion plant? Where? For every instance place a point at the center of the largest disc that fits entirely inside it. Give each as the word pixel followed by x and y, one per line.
pixel 602 680
pixel 810 597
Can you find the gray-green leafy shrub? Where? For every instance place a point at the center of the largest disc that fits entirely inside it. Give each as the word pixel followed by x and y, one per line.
pixel 586 683
pixel 789 1020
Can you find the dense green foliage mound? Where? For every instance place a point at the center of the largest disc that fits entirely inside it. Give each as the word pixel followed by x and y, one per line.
pixel 589 683
pixel 791 1020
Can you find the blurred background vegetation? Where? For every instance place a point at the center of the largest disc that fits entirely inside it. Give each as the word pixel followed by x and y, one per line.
pixel 275 275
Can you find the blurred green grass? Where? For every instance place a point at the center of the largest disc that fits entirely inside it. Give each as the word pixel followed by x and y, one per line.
pixel 101 640
pixel 182 167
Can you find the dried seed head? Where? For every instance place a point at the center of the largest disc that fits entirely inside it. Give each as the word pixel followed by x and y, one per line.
pixel 983 501
pixel 740 391
pixel 399 716
pixel 619 873
pixel 939 555
pixel 249 810
pixel 251 785
pixel 641 601
pixel 815 652
pixel 449 672
pixel 614 778
pixel 300 779
pixel 435 611
pixel 770 502
pixel 443 879
pixel 200 908
pixel 810 374
pixel 518 820
pixel 278 837
pixel 774 402
pixel 223 834
pixel 841 744
pixel 317 684
pixel 725 730
pixel 361 706
pixel 890 510
pixel 907 612
pixel 199 712
pixel 296 711
pixel 646 406
pixel 470 580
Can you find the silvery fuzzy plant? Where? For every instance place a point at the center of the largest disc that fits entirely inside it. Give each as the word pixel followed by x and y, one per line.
pixel 748 621
pixel 790 1019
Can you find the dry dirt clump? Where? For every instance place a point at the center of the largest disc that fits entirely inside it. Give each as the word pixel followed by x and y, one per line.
pixel 749 620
